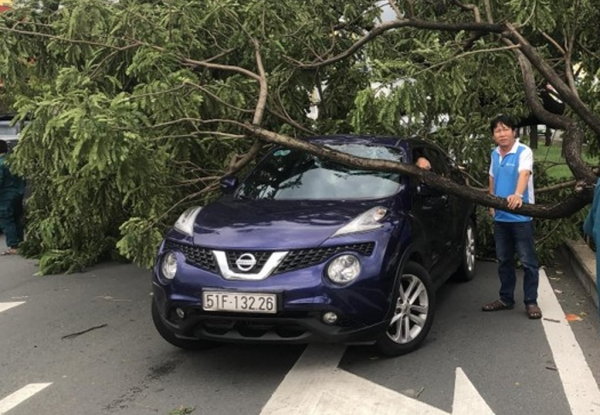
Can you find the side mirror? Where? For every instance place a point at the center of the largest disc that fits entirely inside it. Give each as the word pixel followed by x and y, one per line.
pixel 228 184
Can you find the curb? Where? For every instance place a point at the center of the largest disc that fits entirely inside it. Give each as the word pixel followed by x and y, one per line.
pixel 582 261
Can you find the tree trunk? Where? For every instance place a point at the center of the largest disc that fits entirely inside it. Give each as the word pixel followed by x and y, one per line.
pixel 533 137
pixel 548 142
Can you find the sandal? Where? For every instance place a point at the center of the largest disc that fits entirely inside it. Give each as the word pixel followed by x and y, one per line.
pixel 10 251
pixel 497 306
pixel 533 311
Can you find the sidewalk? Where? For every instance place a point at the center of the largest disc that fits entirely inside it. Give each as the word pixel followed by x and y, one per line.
pixel 582 261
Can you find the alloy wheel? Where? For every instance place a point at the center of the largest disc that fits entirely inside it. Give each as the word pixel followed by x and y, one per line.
pixel 470 249
pixel 411 312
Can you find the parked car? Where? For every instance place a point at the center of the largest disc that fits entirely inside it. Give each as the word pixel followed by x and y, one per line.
pixel 305 249
pixel 8 132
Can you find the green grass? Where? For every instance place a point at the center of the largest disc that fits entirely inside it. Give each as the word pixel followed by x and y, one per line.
pixel 555 163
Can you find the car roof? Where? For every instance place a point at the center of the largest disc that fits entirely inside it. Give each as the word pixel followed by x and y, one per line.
pixel 405 143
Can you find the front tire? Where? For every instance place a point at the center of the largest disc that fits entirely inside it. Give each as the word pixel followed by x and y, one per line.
pixel 186 344
pixel 414 308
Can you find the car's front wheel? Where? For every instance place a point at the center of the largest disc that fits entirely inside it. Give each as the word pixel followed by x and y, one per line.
pixel 414 307
pixel 187 344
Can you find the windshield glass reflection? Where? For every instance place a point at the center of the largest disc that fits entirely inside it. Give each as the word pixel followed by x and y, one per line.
pixel 290 174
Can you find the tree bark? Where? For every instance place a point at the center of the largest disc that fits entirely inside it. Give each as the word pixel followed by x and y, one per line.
pixel 533 137
pixel 581 196
pixel 548 136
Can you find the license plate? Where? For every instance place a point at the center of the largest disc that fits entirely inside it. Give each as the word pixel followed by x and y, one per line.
pixel 239 302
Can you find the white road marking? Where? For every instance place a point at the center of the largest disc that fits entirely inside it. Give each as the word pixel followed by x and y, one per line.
pixel 295 395
pixel 8 306
pixel 578 382
pixel 467 401
pixel 20 396
pixel 316 386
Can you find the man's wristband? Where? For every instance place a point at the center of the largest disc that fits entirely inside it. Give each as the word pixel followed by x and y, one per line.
pixel 519 194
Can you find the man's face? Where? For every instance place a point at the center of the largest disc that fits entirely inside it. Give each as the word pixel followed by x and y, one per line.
pixel 504 136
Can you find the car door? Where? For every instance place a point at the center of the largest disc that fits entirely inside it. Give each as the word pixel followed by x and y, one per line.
pixel 453 211
pixel 430 211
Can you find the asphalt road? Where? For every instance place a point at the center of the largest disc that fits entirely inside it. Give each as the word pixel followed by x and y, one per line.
pixel 85 344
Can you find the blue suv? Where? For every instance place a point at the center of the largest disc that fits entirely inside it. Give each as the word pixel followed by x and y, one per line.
pixel 306 249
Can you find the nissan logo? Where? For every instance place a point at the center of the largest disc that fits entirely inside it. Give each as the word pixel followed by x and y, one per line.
pixel 245 262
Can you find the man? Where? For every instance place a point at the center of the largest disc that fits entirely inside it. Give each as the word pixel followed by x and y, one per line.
pixel 423 163
pixel 12 189
pixel 591 227
pixel 510 177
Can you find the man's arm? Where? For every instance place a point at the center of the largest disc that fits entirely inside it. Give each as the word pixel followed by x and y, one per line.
pixel 516 199
pixel 491 191
pixel 2 172
pixel 590 220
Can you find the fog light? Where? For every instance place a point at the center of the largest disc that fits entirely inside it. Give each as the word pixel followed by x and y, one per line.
pixel 180 312
pixel 330 318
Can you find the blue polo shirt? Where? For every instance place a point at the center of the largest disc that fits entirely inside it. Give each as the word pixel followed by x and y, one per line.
pixel 505 172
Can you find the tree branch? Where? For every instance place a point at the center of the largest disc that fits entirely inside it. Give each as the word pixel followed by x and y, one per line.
pixel 264 87
pixel 471 8
pixel 573 203
pixel 396 24
pixel 394 5
pixel 559 85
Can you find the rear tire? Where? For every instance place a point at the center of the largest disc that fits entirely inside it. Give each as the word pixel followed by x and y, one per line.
pixel 466 270
pixel 414 308
pixel 186 344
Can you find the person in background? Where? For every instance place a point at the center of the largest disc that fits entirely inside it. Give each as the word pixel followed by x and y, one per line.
pixel 12 189
pixel 423 163
pixel 510 177
pixel 591 227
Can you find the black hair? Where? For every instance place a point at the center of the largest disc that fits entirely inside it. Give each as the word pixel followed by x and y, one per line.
pixel 502 119
pixel 3 147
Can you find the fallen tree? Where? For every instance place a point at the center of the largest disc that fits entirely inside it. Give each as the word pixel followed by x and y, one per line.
pixel 140 107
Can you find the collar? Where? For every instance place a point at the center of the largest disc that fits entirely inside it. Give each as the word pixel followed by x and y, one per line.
pixel 512 150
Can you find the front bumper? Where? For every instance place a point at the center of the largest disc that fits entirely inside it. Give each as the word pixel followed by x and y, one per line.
pixel 304 295
pixel 290 327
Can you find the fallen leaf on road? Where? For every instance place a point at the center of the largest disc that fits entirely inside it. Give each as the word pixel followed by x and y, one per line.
pixel 572 317
pixel 109 298
pixel 558 291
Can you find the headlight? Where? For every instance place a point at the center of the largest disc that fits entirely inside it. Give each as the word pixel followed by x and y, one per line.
pixel 344 269
pixel 169 265
pixel 185 223
pixel 367 221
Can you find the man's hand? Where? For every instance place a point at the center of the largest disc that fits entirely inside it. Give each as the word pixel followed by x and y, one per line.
pixel 514 201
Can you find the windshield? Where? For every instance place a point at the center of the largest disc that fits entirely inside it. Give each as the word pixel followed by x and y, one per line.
pixel 291 174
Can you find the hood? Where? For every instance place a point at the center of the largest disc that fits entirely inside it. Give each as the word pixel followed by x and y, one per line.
pixel 267 224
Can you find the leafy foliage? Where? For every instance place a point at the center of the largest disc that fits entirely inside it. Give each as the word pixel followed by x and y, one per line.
pixel 138 107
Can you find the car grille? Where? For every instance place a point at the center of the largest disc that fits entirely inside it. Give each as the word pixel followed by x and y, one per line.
pixel 261 259
pixel 304 258
pixel 295 259
pixel 195 255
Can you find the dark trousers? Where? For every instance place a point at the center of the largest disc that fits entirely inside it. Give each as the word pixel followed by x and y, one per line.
pixel 511 238
pixel 11 213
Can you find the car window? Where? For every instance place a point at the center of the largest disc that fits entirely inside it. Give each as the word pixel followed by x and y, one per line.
pixel 290 174
pixel 438 160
